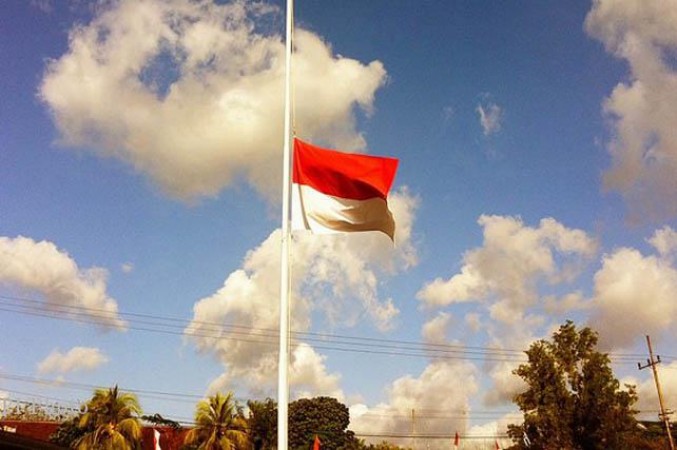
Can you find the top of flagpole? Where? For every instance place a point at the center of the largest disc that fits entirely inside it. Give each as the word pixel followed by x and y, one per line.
pixel 285 271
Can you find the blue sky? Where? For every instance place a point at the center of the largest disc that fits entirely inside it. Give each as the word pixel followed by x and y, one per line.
pixel 140 153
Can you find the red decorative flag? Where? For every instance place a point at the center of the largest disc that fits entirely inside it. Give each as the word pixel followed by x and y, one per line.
pixel 498 447
pixel 316 444
pixel 457 441
pixel 156 440
pixel 335 192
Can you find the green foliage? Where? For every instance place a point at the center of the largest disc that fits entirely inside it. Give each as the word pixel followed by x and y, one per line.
pixel 572 399
pixel 263 423
pixel 384 445
pixel 110 421
pixel 219 425
pixel 157 419
pixel 325 417
pixel 68 432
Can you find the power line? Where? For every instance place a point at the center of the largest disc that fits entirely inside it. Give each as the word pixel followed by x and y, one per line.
pixel 241 333
pixel 91 387
pixel 265 332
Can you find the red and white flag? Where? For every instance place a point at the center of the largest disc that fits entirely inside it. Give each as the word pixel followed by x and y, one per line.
pixel 336 192
pixel 457 441
pixel 316 443
pixel 156 440
pixel 498 447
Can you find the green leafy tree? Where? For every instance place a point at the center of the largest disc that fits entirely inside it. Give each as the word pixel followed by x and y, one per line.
pixel 325 417
pixel 110 421
pixel 263 423
pixel 219 425
pixel 572 400
pixel 68 432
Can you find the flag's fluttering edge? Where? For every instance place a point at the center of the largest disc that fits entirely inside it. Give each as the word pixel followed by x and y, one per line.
pixel 336 192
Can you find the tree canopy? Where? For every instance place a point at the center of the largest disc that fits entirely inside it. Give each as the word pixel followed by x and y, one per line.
pixel 325 417
pixel 572 400
pixel 263 423
pixel 219 425
pixel 110 421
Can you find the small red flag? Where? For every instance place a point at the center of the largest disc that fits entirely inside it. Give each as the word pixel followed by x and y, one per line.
pixel 316 444
pixel 457 441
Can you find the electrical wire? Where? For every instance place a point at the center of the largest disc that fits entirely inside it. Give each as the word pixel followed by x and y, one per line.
pixel 263 336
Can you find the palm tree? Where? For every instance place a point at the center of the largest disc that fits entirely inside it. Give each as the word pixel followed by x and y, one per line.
pixel 111 421
pixel 219 425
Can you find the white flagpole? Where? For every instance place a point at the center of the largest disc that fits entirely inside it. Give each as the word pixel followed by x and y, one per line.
pixel 285 272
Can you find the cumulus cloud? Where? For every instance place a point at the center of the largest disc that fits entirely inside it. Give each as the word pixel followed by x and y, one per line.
pixel 191 93
pixel 485 435
pixel 566 303
pixel 435 330
pixel 337 276
pixel 439 396
pixel 76 359
pixel 505 384
pixel 664 241
pixel 628 279
pixel 41 267
pixel 643 109
pixel 513 259
pixel 490 117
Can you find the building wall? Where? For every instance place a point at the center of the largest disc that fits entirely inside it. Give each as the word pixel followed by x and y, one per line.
pixel 170 439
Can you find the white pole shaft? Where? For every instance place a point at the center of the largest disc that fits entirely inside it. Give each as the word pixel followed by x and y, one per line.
pixel 285 271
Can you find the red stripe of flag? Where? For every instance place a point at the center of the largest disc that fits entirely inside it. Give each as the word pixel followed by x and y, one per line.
pixel 344 175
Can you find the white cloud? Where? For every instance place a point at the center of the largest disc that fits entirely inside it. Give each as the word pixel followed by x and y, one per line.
pixel 567 303
pixel 634 296
pixel 127 267
pixel 435 330
pixel 664 241
pixel 42 267
pixel 76 359
pixel 490 117
pixel 643 109
pixel 308 371
pixel 488 432
pixel 507 268
pixel 506 385
pixel 442 386
pixel 191 93
pixel 336 275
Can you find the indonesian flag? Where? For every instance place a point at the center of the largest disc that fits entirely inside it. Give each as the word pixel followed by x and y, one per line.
pixel 316 443
pixel 156 440
pixel 498 447
pixel 336 192
pixel 457 441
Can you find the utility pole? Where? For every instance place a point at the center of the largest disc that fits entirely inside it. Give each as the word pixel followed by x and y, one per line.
pixel 664 414
pixel 413 428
